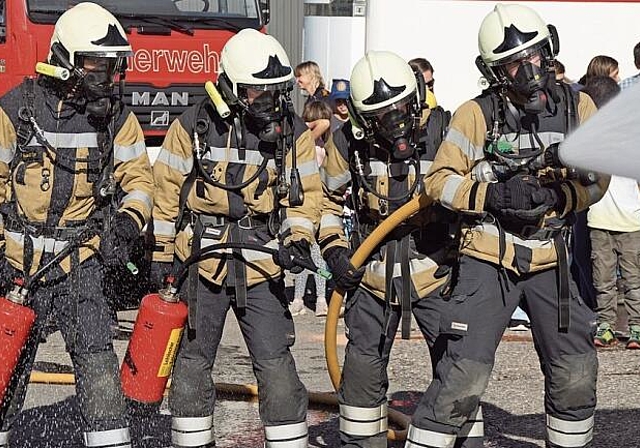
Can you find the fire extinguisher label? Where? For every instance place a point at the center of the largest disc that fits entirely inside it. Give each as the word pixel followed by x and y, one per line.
pixel 170 353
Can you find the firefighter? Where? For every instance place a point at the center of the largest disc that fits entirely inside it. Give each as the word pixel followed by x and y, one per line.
pixel 498 167
pixel 409 270
pixel 75 179
pixel 250 178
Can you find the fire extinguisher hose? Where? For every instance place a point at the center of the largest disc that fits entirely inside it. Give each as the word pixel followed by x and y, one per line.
pixel 335 305
pixel 330 339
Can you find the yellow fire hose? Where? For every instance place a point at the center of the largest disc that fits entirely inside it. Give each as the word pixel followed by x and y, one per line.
pixel 330 335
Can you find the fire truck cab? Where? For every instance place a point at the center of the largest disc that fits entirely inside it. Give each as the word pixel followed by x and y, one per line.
pixel 177 46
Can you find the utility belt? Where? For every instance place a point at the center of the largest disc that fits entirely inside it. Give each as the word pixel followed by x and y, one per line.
pixel 213 227
pixel 71 231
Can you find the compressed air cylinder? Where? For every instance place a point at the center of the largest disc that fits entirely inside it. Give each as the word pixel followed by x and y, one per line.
pixel 153 347
pixel 16 321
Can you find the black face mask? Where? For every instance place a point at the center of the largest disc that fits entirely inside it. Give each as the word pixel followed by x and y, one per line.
pixel 395 128
pixel 263 116
pixel 97 88
pixel 529 85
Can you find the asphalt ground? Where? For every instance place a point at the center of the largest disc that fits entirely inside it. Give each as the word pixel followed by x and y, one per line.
pixel 513 402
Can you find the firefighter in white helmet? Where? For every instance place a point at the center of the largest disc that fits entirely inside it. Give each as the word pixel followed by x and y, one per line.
pixel 498 167
pixel 409 271
pixel 75 191
pixel 248 178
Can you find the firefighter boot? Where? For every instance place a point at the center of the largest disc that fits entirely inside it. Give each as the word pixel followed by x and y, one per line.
pixel 4 439
pixel 112 438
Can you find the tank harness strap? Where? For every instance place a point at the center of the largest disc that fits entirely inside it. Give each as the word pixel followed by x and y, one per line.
pixel 237 271
pixel 390 256
pixel 564 318
pixel 405 298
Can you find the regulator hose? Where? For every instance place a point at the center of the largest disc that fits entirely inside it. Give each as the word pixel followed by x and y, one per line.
pixel 331 327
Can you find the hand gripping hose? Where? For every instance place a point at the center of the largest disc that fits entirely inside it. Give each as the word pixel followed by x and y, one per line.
pixel 331 328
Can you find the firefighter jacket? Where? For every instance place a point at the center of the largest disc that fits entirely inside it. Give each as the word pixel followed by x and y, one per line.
pixel 455 183
pixel 429 232
pixel 256 207
pixel 49 184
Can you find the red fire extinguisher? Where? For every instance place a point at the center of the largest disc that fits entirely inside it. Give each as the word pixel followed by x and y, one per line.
pixel 153 346
pixel 16 321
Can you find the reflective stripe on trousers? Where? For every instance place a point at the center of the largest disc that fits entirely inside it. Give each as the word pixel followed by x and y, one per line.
pixel 365 422
pixel 294 435
pixel 569 434
pixel 191 431
pixel 424 438
pixel 112 438
pixel 4 439
pixel 473 428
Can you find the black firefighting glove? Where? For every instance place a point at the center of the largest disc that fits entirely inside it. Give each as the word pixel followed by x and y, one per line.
pixel 346 276
pixel 516 200
pixel 158 271
pixel 553 196
pixel 116 247
pixel 287 253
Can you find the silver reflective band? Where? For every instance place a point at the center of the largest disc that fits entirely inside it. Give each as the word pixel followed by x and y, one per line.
pixel 4 438
pixel 174 161
pixel 116 438
pixel 192 431
pixel 126 153
pixel 420 438
pixel 474 427
pixel 569 434
pixel 472 152
pixel 139 196
pixel 365 422
pixel 7 154
pixel 164 228
pixel 68 140
pixel 294 435
pixel 450 189
pixel 305 169
pixel 299 222
pixel 39 244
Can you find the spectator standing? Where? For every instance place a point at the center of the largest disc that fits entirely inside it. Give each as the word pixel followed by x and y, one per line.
pixel 614 224
pixel 340 90
pixel 317 114
pixel 601 66
pixel 309 79
pixel 423 66
pixel 628 82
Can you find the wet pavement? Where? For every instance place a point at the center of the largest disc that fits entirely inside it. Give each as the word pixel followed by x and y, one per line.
pixel 513 403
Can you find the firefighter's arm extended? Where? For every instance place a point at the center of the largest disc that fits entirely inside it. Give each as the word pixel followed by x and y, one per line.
pixel 8 141
pixel 448 180
pixel 173 165
pixel 575 195
pixel 132 171
pixel 336 178
pixel 301 222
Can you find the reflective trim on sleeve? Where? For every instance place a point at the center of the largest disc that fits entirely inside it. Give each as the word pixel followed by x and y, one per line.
pixel 140 196
pixel 425 166
pixel 192 431
pixel 331 221
pixel 472 152
pixel 112 438
pixel 512 239
pixel 421 438
pixel 68 140
pixel 450 188
pixel 569 434
pixel 126 153
pixel 175 162
pixel 363 422
pixel 254 255
pixel 306 168
pixel 7 154
pixel 290 222
pixel 294 435
pixel 335 182
pixel 164 228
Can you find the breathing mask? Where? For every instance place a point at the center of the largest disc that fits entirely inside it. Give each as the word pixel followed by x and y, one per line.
pixel 96 90
pixel 263 110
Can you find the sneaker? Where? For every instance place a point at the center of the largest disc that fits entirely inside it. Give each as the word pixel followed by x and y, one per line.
pixel 519 325
pixel 605 336
pixel 321 309
pixel 634 337
pixel 296 308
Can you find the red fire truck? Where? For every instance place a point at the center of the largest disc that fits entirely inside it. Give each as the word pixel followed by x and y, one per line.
pixel 177 47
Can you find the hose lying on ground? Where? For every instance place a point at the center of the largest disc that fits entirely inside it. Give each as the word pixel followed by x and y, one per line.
pixel 331 328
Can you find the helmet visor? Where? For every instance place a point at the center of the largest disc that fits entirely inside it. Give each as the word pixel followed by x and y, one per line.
pixel 393 121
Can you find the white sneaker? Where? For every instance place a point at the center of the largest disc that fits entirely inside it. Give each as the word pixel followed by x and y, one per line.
pixel 297 308
pixel 321 309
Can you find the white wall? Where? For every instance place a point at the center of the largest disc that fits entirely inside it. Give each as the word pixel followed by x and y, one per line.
pixel 445 32
pixel 335 43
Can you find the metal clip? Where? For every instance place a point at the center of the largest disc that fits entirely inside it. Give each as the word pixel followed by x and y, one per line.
pixel 45 183
pixel 383 207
